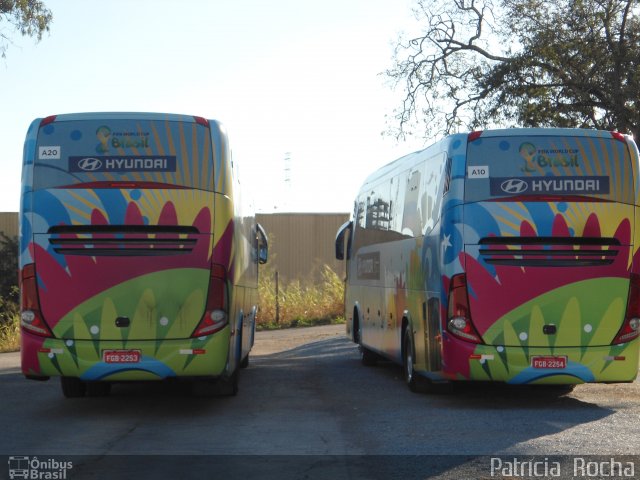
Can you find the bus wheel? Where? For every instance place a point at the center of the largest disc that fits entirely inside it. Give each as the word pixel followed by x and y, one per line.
pixel 413 381
pixel 73 387
pixel 245 362
pixel 367 357
pixel 229 386
pixel 98 389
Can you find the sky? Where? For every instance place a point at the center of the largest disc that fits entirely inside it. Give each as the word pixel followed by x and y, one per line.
pixel 296 79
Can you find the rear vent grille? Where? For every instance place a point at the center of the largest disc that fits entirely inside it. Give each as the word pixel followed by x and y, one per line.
pixel 549 251
pixel 122 240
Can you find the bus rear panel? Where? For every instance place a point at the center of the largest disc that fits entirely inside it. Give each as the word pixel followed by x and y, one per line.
pixel 127 258
pixel 547 258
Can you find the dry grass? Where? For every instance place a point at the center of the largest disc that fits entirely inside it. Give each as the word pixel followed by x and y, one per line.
pixel 9 325
pixel 301 305
pixel 10 336
pixel 9 322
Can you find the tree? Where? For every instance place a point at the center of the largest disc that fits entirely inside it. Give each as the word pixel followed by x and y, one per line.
pixel 532 63
pixel 29 17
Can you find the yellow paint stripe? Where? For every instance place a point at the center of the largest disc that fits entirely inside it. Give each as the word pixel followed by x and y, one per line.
pixel 520 216
pixel 184 153
pixel 77 211
pixel 172 151
pixel 160 176
pixel 585 157
pixel 84 200
pixel 195 158
pixel 502 220
pixel 205 183
pixel 594 155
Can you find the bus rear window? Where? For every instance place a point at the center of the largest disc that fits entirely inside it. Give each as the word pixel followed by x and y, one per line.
pixel 140 152
pixel 566 167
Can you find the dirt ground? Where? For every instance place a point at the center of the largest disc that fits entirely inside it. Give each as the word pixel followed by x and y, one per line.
pixel 274 341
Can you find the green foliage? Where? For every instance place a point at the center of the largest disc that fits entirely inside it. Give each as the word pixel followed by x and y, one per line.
pixel 300 304
pixel 31 18
pixel 481 63
pixel 8 265
pixel 9 294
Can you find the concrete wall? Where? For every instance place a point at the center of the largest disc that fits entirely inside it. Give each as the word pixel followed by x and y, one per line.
pixel 9 223
pixel 302 243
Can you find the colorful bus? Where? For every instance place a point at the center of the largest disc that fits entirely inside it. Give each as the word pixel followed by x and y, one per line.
pixel 138 254
pixel 500 256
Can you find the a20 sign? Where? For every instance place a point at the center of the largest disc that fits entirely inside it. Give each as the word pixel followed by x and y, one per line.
pixel 49 153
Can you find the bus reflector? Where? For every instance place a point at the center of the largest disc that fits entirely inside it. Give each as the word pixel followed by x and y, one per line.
pixel 215 316
pixel 30 315
pixel 617 358
pixel 631 327
pixel 459 315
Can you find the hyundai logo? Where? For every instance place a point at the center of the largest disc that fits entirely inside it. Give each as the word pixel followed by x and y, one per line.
pixel 90 164
pixel 514 186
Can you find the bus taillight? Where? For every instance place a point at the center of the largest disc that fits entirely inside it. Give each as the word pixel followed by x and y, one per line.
pixel 48 120
pixel 201 121
pixel 459 315
pixel 215 316
pixel 30 314
pixel 631 327
pixel 618 136
pixel 474 135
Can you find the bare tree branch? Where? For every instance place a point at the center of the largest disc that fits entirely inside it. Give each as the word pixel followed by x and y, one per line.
pixel 565 63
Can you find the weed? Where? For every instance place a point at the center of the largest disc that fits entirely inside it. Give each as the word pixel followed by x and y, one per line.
pixel 299 304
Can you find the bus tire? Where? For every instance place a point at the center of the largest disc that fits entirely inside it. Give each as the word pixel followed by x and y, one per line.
pixel 245 362
pixel 73 387
pixel 367 357
pixel 229 386
pixel 355 334
pixel 98 389
pixel 411 378
pixel 204 388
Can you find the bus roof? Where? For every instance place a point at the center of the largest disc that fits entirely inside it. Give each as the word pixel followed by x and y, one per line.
pixel 65 117
pixel 408 160
pixel 547 132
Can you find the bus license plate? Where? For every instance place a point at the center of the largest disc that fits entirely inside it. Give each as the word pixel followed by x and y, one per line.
pixel 549 362
pixel 121 356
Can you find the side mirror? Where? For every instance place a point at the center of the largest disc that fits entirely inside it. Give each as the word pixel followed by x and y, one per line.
pixel 342 231
pixel 263 245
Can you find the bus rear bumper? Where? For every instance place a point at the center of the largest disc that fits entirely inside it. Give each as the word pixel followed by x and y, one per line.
pixel 133 360
pixel 550 366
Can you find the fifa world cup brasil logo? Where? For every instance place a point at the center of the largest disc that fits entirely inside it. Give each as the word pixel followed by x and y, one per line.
pixel 538 160
pixel 528 152
pixel 103 133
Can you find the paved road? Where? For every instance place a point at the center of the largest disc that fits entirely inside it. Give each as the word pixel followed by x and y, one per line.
pixel 307 408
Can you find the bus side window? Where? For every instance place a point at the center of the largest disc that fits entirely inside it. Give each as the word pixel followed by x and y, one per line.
pixel 435 182
pixel 442 166
pixel 447 175
pixel 263 245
